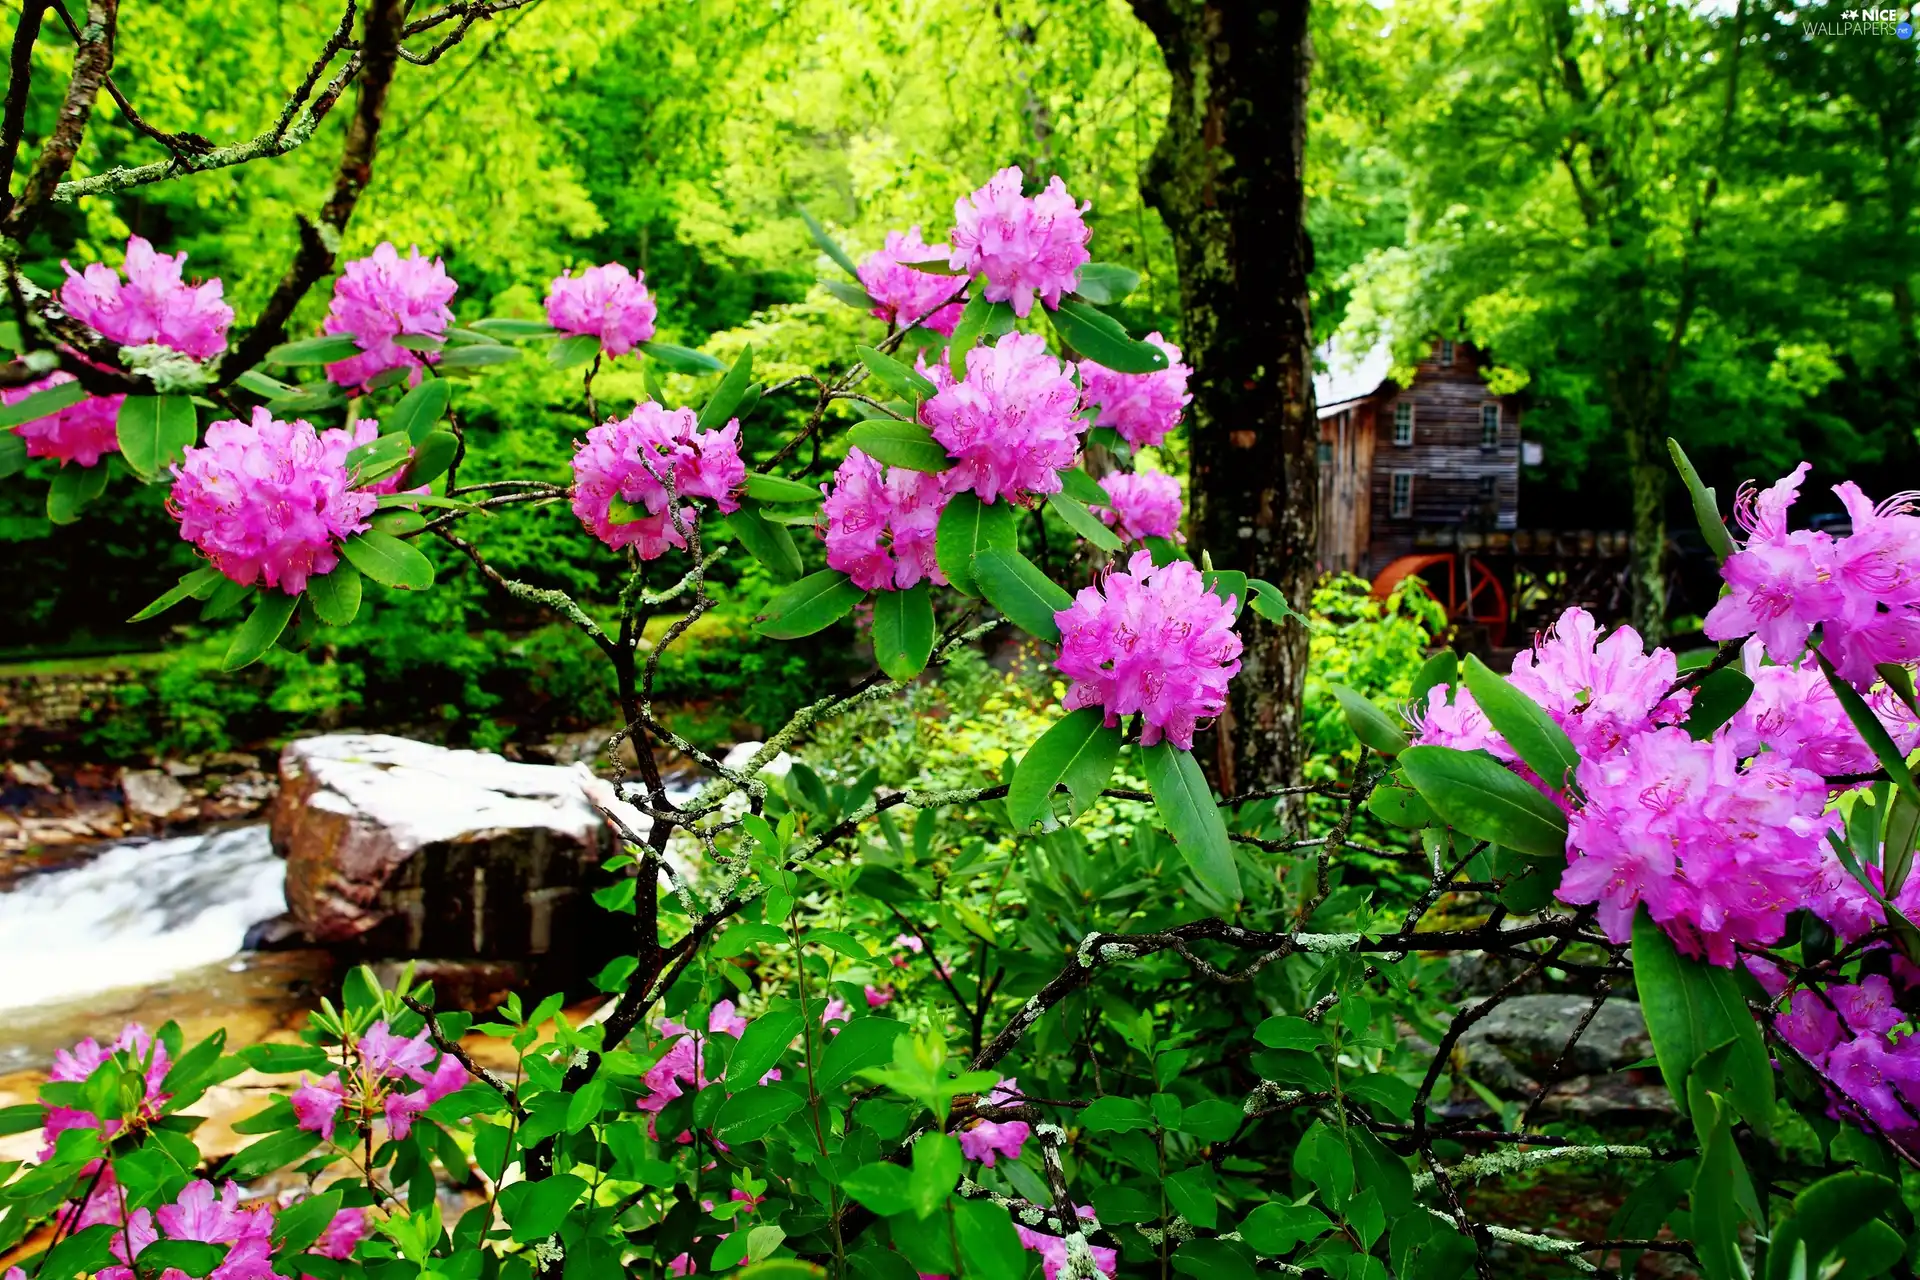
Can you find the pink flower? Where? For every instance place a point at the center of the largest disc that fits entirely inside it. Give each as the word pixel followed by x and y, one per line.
pixel 1053 1249
pixel 1601 693
pixel 1877 568
pixel 904 297
pixel 1793 710
pixel 82 433
pixel 268 500
pixel 1025 246
pixel 348 1228
pixel 910 941
pixel 1142 504
pixel 390 1057
pixel 75 1065
pixel 836 1011
pixel 1142 407
pixel 383 297
pixel 989 1139
pixel 1457 722
pixel 879 997
pixel 153 305
pixel 610 303
pixel 1011 426
pixel 1868 1006
pixel 681 1265
pixel 881 523
pixel 1153 641
pixel 317 1106
pixel 401 1109
pixel 1718 854
pixel 630 458
pixel 198 1215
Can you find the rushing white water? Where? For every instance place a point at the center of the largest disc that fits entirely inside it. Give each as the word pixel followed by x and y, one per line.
pixel 137 913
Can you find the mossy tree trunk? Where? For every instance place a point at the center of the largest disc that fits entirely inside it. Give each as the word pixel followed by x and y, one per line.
pixel 1226 177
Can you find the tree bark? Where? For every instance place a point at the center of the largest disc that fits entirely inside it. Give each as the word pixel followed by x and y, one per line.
pixel 1226 176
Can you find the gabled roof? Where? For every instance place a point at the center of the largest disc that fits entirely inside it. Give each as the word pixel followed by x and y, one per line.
pixel 1348 377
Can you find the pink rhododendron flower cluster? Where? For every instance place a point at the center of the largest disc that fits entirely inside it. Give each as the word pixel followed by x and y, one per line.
pixel 684 1062
pixel 881 523
pixel 1142 407
pixel 378 1071
pixel 1794 711
pixel 74 1065
pixel 1053 1249
pixel 1155 641
pixel 1010 425
pixel 383 297
pixel 989 1140
pixel 81 433
pixel 1852 1034
pixel 904 297
pixel 632 457
pixel 610 303
pixel 1141 504
pixel 1026 246
pixel 271 501
pixel 152 305
pixel 1862 590
pixel 201 1214
pixel 1717 853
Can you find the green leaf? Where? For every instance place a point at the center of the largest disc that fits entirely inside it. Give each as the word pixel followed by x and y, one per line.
pixel 478 356
pixel 389 561
pixel 424 342
pixel 898 377
pixel 194 1258
pixel 1442 668
pixel 1211 1120
pixel 1186 806
pixel 190 586
pixel 535 1210
pixel 154 432
pixel 433 454
pixel 760 1047
pixel 1015 586
pixel 812 604
pixel 1190 1192
pixel 1285 1031
pixel 675 359
pixel 1540 743
pixel 327 349
pixel 1115 1113
pixel 937 1164
pixel 1215 1259
pixel 285 1059
pixel 1270 602
pixel 879 1186
pixel 41 403
pixel 1642 1213
pixel 989 1245
pixel 1482 799
pixel 276 1151
pixel 765 541
pixel 967 527
pixel 764 488
pixel 272 610
pixel 21 1118
pixel 84 1253
pixel 727 396
pixel 1379 1170
pixel 1277 1227
pixel 1104 283
pixel 1101 339
pixel 754 1113
pixel 900 444
pixel 13 454
pixel 737 940
pixel 1375 729
pixel 851 294
pixel 973 322
pixel 420 409
pixel 508 327
pixel 1716 1202
pixel 1716 699
pixel 1083 521
pixel 1706 507
pixel 574 351
pixel 1873 731
pixel 1079 750
pixel 1693 1008
pixel 863 1042
pixel 1083 488
pixel 297 1226
pixel 903 631
pixel 827 243
pixel 1827 1214
pixel 72 489
pixel 381 456
pixel 1399 807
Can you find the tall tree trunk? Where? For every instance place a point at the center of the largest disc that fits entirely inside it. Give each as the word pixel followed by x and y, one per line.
pixel 1226 177
pixel 1647 466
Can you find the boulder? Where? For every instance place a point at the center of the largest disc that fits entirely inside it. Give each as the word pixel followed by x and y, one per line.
pixel 156 794
pixel 1529 1033
pixel 397 848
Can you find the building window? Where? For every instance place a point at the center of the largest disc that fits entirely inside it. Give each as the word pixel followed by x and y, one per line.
pixel 1402 494
pixel 1489 426
pixel 1403 423
pixel 1446 355
pixel 1326 453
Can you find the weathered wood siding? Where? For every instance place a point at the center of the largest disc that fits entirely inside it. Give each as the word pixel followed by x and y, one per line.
pixel 1347 448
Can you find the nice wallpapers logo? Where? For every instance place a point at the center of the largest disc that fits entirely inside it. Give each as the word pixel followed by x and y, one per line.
pixel 1867 22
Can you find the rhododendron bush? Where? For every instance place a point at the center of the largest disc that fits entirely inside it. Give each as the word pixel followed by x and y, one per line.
pixel 1066 1013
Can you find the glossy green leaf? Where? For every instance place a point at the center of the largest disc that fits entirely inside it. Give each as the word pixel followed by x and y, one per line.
pixel 675 359
pixel 751 1114
pixel 276 1151
pixel 297 1226
pixel 1101 339
pixel 1693 1008
pixel 851 294
pixel 1482 799
pixel 764 488
pixel 503 327
pixel 903 631
pixel 989 1245
pixel 827 244
pixel 1104 283
pixel 1276 1227
pixel 1372 726
pixel 1541 744
pixel 190 586
pixel 727 396
pixel 1186 806
pixel 1190 1192
pixel 978 319
pixel 1079 751
pixel 1268 601
pixel 862 1042
pixel 812 604
pixel 478 356
pixel 967 527
pixel 154 432
pixel 900 444
pixel 1716 1202
pixel 1082 488
pixel 880 1187
pixel 937 1165
pixel 1083 521
pixel 39 404
pixel 760 1047
pixel 765 541
pixel 1015 586
pixel 420 409
pixel 72 489
pixel 1826 1215
pixel 389 561
pixel 1442 668
pixel 1706 507
pixel 272 610
pixel 1716 699
pixel 335 597
pixel 574 351
pixel 13 454
pixel 432 455
pixel 898 376
pixel 328 349
pixel 535 1210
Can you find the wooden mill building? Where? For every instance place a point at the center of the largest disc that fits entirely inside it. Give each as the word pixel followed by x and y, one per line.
pixel 1412 469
